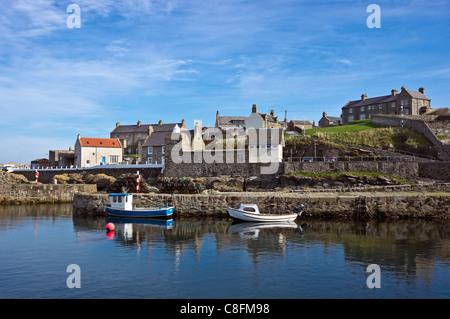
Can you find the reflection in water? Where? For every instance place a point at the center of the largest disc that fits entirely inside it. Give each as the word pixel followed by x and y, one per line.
pixel 187 256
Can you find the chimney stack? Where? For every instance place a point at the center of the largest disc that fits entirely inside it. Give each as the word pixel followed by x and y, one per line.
pixel 394 92
pixel 422 90
pixel 364 96
pixel 139 123
pixel 254 108
pixel 272 112
pixel 160 122
pixel 117 124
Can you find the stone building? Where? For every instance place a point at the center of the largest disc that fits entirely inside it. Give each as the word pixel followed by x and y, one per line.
pixel 153 148
pixel 225 122
pixel 262 120
pixel 299 125
pixel 91 151
pixel 326 120
pixel 132 137
pixel 40 163
pixel 61 158
pixel 407 101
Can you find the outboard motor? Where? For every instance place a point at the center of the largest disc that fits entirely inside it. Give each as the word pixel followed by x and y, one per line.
pixel 300 210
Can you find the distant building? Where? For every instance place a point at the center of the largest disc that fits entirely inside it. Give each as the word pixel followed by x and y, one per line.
pixel 299 125
pixel 40 163
pixel 411 102
pixel 262 120
pixel 61 158
pixel 326 120
pixel 132 137
pixel 153 148
pixel 91 151
pixel 224 122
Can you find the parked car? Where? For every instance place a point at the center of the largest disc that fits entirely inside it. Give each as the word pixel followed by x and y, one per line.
pixel 307 159
pixel 329 159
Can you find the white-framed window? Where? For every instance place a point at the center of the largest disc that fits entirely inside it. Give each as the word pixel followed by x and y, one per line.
pixel 363 117
pixel 162 149
pixel 406 111
pixel 139 134
pixel 350 118
pixel 393 104
pixel 150 150
pixel 114 159
pixel 149 160
pixel 380 106
pixel 350 110
pixel 362 108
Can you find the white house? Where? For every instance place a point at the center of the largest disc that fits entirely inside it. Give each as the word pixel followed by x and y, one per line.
pixel 91 151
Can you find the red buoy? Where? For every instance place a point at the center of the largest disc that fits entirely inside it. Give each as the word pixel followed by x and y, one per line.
pixel 110 226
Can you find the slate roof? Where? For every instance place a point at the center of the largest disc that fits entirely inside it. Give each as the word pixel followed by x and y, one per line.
pixel 143 128
pixel 228 120
pixel 383 99
pixel 156 139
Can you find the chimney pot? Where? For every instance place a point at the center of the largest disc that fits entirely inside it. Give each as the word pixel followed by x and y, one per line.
pixel 364 96
pixel 394 92
pixel 422 90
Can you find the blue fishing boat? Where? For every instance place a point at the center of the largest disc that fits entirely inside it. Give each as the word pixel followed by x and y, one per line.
pixel 121 205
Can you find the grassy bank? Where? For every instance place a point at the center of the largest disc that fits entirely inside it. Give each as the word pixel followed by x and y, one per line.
pixel 367 134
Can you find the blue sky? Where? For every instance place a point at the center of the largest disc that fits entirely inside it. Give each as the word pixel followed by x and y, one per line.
pixel 169 60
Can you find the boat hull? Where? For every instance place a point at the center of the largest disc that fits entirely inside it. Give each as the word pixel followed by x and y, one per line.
pixel 254 217
pixel 162 212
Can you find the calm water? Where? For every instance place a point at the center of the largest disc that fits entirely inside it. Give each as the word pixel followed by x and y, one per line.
pixel 215 259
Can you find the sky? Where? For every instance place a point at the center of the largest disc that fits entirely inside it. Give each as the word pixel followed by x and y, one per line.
pixel 169 60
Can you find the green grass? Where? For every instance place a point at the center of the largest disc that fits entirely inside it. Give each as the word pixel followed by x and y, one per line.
pixel 355 126
pixel 365 133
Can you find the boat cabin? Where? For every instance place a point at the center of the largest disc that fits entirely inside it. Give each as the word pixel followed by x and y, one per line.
pixel 121 201
pixel 250 208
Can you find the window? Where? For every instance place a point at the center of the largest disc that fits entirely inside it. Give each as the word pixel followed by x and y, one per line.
pixel 362 108
pixel 88 161
pixel 363 117
pixel 128 135
pixel 149 160
pixel 350 110
pixel 406 111
pixel 162 150
pixel 380 106
pixel 393 104
pixel 116 135
pixel 350 118
pixel 150 150
pixel 114 159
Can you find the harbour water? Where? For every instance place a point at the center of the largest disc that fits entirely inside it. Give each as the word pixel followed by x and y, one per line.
pixel 214 258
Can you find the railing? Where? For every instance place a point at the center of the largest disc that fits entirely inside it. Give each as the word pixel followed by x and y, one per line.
pixel 76 168
pixel 306 159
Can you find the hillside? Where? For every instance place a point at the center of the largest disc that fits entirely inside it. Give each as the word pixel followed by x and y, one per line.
pixel 365 133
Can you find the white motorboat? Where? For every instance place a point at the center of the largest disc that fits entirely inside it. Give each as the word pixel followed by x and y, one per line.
pixel 251 213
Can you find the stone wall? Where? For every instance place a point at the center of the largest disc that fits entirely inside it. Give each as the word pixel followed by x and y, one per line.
pixel 46 175
pixel 380 206
pixel 402 169
pixel 424 126
pixel 435 170
pixel 26 193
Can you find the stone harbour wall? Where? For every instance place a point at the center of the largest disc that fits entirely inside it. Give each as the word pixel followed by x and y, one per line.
pixel 379 205
pixel 402 169
pixel 42 193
